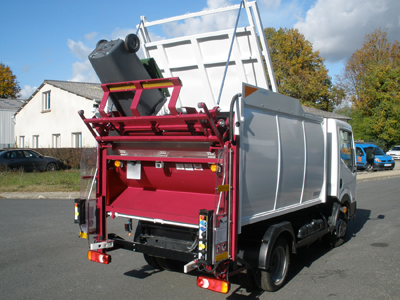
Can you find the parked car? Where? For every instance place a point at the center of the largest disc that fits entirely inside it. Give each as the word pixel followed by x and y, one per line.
pixel 29 160
pixel 394 152
pixel 371 157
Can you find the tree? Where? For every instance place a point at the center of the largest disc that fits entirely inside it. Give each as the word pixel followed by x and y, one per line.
pixel 299 71
pixel 9 87
pixel 372 80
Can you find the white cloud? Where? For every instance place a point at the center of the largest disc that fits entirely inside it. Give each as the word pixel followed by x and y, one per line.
pixel 79 49
pixel 207 23
pixel 83 72
pixel 337 28
pixel 121 33
pixel 90 36
pixel 270 3
pixel 282 14
pixel 27 91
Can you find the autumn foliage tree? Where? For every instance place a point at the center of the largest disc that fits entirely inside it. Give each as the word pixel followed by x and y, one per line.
pixel 372 81
pixel 9 87
pixel 299 71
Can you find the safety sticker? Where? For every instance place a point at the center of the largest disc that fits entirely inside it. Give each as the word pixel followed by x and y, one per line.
pixel 180 167
pixel 188 167
pixel 197 167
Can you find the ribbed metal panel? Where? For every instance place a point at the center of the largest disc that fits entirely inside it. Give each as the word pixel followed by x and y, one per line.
pixel 6 129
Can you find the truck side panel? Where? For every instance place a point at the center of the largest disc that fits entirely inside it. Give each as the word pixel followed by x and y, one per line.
pixel 282 155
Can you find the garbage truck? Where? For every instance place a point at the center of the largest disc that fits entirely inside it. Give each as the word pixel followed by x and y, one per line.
pixel 210 168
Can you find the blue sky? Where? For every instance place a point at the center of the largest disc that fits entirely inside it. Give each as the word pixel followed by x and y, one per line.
pixel 50 39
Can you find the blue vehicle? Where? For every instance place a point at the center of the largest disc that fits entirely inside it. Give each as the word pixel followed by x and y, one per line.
pixel 370 157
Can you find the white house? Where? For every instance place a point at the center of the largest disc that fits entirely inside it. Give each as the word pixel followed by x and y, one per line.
pixel 8 107
pixel 49 118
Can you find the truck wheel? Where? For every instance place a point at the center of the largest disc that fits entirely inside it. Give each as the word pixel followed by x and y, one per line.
pixel 169 264
pixel 337 238
pixel 152 261
pixel 273 279
pixel 132 43
pixel 247 280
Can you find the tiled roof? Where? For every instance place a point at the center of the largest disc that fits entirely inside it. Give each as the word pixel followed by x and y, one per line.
pixel 11 104
pixel 87 90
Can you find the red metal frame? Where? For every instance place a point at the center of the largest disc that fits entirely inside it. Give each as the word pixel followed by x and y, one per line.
pixel 138 86
pixel 175 198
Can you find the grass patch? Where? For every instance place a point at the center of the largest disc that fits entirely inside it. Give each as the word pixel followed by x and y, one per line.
pixel 57 181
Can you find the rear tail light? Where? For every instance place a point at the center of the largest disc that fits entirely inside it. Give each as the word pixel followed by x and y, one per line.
pixel 99 257
pixel 213 284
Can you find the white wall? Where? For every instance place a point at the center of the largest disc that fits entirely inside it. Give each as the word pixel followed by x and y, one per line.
pixel 62 119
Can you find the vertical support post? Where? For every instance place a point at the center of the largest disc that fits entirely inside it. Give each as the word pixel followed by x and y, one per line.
pixel 104 100
pixel 235 222
pixel 174 96
pixel 101 197
pixel 136 99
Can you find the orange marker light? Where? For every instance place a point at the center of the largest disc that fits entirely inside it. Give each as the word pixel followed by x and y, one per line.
pixel 214 168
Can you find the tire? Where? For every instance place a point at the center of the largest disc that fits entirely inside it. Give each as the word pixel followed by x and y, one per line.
pixel 51 167
pixel 247 280
pixel 337 239
pixel 132 43
pixel 274 278
pixel 152 261
pixel 169 264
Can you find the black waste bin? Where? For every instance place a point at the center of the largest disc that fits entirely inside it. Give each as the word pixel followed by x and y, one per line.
pixel 113 62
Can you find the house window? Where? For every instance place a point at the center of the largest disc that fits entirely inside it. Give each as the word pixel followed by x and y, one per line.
pixel 77 140
pixel 35 141
pixel 46 101
pixel 22 141
pixel 56 140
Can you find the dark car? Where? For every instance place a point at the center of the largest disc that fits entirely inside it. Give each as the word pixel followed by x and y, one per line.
pixel 28 160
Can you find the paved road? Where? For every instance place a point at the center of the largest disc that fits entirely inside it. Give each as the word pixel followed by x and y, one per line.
pixel 41 257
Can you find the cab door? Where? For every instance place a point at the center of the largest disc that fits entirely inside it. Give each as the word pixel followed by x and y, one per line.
pixel 348 166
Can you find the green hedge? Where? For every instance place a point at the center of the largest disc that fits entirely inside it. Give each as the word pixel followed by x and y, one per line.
pixel 71 157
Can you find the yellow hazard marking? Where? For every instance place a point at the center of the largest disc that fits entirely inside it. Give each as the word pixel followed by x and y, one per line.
pixel 159 84
pixel 122 87
pixel 83 235
pixel 223 188
pixel 222 256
